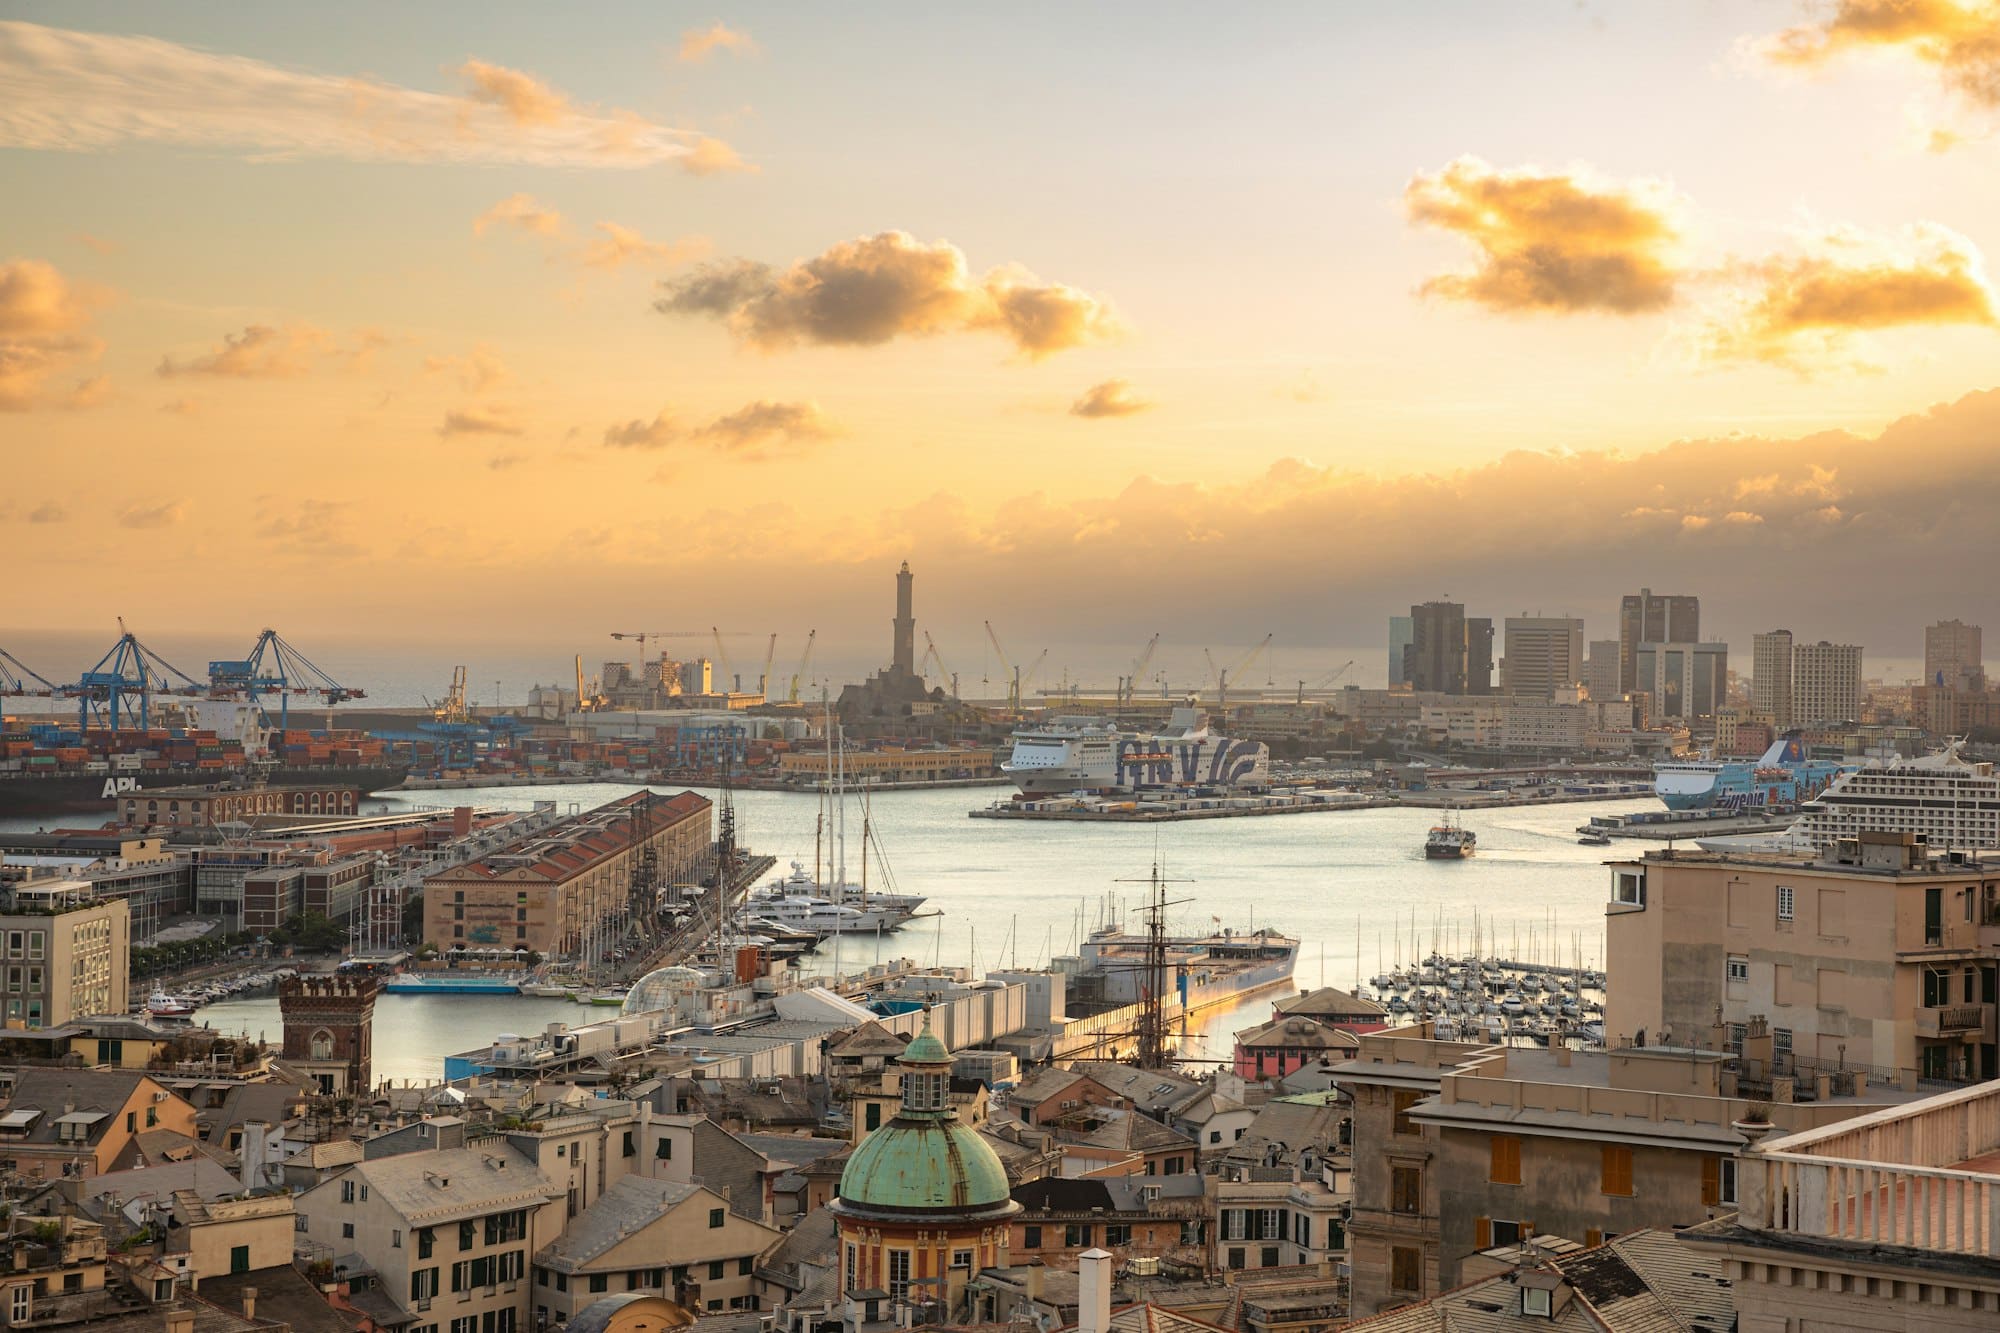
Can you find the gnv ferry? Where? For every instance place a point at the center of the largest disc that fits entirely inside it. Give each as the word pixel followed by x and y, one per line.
pixel 1782 776
pixel 1090 754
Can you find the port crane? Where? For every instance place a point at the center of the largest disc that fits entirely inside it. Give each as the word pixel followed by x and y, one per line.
pixel 932 656
pixel 15 676
pixel 799 671
pixel 129 672
pixel 764 676
pixel 1129 687
pixel 1017 680
pixel 713 635
pixel 1234 670
pixel 1326 682
pixel 274 666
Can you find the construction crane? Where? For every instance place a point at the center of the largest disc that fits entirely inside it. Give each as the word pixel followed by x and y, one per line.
pixel 1017 680
pixel 764 676
pixel 799 671
pixel 1326 682
pixel 1234 670
pixel 1129 687
pixel 641 636
pixel 274 666
pixel 129 671
pixel 453 710
pixel 932 656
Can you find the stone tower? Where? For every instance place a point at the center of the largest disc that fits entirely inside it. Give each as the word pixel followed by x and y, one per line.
pixel 906 626
pixel 327 1025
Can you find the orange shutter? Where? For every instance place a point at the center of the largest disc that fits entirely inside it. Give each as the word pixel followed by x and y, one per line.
pixel 1593 1238
pixel 1617 1172
pixel 1482 1233
pixel 1711 1181
pixel 1505 1167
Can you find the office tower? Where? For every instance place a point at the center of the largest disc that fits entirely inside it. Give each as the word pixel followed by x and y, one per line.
pixel 1399 646
pixel 1771 678
pixel 1646 618
pixel 1826 683
pixel 1479 655
pixel 1600 670
pixel 1954 656
pixel 1687 680
pixel 1435 660
pixel 1542 655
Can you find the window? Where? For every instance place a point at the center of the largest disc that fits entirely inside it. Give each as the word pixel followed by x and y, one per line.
pixel 714 1269
pixel 423 1284
pixel 21 1304
pixel 1616 1173
pixel 395 1239
pixel 1406 1269
pixel 1215 1136
pixel 1781 1039
pixel 1031 1238
pixel 1711 1181
pixel 1402 1101
pixel 1236 1257
pixel 1507 1232
pixel 1075 1234
pixel 1728 1172
pixel 1739 968
pixel 1784 902
pixel 1406 1189
pixel 852 1259
pixel 426 1242
pixel 1235 1224
pixel 631 1148
pixel 347 1231
pixel 467 1234
pixel 1268 1256
pixel 664 1150
pixel 1629 887
pixel 961 1258
pixel 1118 1233
pixel 899 1273
pixel 872 1118
pixel 715 1216
pixel 1302 1230
pixel 1505 1167
pixel 743 1268
pixel 599 1281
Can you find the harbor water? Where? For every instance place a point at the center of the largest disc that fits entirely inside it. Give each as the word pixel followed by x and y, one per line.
pixel 1353 885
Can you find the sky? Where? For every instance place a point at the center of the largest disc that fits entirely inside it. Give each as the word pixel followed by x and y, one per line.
pixel 459 326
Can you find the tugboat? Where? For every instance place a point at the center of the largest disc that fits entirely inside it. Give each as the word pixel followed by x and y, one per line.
pixel 1449 841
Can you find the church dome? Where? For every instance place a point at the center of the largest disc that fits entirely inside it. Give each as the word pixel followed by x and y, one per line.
pixel 924 1164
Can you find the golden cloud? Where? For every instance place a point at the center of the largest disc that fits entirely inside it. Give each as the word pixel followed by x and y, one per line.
pixel 1804 311
pixel 92 392
pixel 708 156
pixel 164 514
pixel 42 318
pixel 488 420
pixel 658 433
pixel 1562 242
pixel 1112 398
pixel 868 291
pixel 75 91
pixel 261 351
pixel 1961 40
pixel 182 407
pixel 619 245
pixel 698 44
pixel 765 422
pixel 520 210
pixel 476 372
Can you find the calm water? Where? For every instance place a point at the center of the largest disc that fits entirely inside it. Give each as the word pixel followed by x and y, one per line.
pixel 1015 892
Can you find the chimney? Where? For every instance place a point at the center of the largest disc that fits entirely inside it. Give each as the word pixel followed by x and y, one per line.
pixel 1093 1306
pixel 253 1152
pixel 180 1321
pixel 249 1302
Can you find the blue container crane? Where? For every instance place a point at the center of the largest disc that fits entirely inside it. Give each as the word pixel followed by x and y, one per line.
pixel 274 666
pixel 129 672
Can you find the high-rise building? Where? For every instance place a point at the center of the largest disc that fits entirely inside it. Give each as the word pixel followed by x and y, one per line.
pixel 1435 659
pixel 1771 678
pixel 1479 655
pixel 1399 646
pixel 1543 654
pixel 68 952
pixel 1600 671
pixel 1646 618
pixel 1826 683
pixel 1954 656
pixel 1686 680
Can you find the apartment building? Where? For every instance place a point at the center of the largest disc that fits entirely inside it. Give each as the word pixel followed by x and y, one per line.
pixel 1646 617
pixel 68 953
pixel 1955 656
pixel 84 1122
pixel 1541 655
pixel 1877 956
pixel 1826 683
pixel 448 1232
pixel 1771 678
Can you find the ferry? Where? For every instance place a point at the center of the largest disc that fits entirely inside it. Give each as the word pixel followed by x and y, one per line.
pixel 1089 754
pixel 1953 801
pixel 1782 775
pixel 1450 841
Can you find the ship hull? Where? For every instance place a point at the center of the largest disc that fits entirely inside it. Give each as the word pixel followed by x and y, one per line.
pixel 1136 763
pixel 97 793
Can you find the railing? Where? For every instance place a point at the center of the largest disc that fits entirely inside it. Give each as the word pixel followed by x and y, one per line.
pixel 1944 1020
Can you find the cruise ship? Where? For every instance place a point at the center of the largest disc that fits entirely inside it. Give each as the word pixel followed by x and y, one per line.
pixel 1782 775
pixel 1953 801
pixel 1071 754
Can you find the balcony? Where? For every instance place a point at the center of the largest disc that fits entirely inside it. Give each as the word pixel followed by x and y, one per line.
pixel 1955 1020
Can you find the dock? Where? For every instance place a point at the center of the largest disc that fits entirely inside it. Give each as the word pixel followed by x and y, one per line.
pixel 1162 807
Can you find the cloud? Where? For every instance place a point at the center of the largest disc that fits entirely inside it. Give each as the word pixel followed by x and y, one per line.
pixel 501 462
pixel 1804 311
pixel 75 91
pixel 367 342
pixel 304 526
pixel 1112 398
pixel 261 351
pixel 42 321
pixel 96 243
pixel 520 210
pixel 765 422
pixel 1961 41
pixel 92 392
pixel 865 292
pixel 698 44
pixel 48 512
pixel 162 515
pixel 658 433
pixel 476 372
pixel 479 421
pixel 182 407
pixel 712 157
pixel 620 245
pixel 1561 242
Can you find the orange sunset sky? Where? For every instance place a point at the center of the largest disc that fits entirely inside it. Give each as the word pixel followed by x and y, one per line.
pixel 517 324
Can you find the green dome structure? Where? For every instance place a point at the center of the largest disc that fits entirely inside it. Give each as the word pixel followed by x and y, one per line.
pixel 923 1163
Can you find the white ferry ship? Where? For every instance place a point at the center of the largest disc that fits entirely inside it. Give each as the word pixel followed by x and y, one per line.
pixel 1090 754
pixel 1953 801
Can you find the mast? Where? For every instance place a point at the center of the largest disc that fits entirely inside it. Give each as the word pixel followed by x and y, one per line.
pixel 840 817
pixel 867 808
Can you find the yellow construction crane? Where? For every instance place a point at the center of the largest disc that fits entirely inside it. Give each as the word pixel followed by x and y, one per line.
pixel 1016 679
pixel 799 671
pixel 453 709
pixel 932 656
pixel 764 676
pixel 1326 682
pixel 641 636
pixel 1234 670
pixel 1130 687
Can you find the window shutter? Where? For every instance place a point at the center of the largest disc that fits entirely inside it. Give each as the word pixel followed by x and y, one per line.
pixel 1482 1233
pixel 1711 1181
pixel 1593 1238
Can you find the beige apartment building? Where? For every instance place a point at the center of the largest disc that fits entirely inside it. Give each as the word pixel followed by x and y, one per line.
pixel 68 954
pixel 1771 678
pixel 548 891
pixel 1826 683
pixel 1877 956
pixel 1460 1148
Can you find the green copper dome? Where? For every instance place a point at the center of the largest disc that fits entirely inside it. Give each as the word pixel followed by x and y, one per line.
pixel 926 1049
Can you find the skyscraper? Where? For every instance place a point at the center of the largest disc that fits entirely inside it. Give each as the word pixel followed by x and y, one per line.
pixel 1687 680
pixel 1826 683
pixel 1954 656
pixel 1435 660
pixel 1542 655
pixel 1646 618
pixel 1600 671
pixel 1479 655
pixel 1399 645
pixel 1771 677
